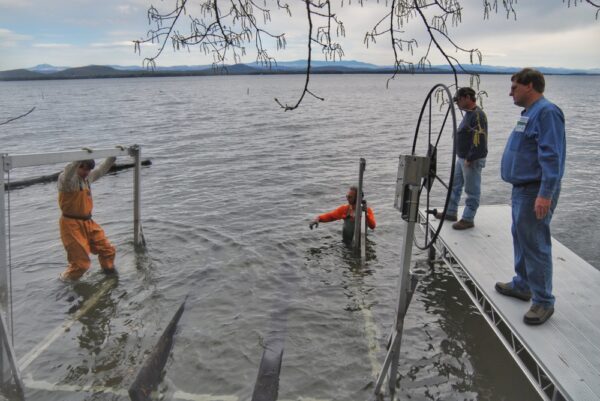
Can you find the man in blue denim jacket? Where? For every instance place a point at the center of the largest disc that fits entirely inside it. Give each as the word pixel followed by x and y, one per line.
pixel 534 163
pixel 471 151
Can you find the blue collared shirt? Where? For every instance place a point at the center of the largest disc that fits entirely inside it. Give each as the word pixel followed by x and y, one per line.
pixel 536 148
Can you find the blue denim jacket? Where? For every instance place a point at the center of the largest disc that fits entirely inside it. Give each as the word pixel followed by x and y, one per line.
pixel 536 148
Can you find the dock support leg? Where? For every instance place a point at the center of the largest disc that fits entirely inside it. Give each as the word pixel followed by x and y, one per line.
pixel 4 309
pixel 356 240
pixel 406 288
pixel 8 365
pixel 138 236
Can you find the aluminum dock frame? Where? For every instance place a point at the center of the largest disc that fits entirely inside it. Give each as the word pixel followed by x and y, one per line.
pixel 561 358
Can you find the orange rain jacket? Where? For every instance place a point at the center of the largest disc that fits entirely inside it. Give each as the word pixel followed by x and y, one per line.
pixel 80 234
pixel 346 211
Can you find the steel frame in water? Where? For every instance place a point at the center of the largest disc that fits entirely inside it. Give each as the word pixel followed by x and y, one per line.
pixel 10 162
pixel 546 388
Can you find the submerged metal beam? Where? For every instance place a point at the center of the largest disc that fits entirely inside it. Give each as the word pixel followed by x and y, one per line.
pixel 12 360
pixel 36 351
pixel 267 382
pixel 266 387
pixel 40 159
pixel 149 376
pixel 53 177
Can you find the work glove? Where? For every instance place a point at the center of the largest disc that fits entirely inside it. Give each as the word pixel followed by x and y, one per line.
pixel 89 150
pixel 120 147
pixel 313 224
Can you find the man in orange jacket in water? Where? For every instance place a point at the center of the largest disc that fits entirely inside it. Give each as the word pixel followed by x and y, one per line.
pixel 346 212
pixel 80 234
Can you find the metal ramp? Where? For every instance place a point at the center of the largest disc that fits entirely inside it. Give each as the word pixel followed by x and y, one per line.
pixel 561 358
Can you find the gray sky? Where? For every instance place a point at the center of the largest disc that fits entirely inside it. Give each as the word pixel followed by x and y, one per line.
pixel 82 32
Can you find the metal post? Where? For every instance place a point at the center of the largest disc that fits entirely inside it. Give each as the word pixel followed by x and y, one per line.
pixel 4 309
pixel 3 248
pixel 136 153
pixel 358 207
pixel 12 361
pixel 404 285
pixel 363 243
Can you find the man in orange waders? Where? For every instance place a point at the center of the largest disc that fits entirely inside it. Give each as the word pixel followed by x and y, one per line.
pixel 346 212
pixel 80 234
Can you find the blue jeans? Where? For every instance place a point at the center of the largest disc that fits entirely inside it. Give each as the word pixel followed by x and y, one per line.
pixel 532 244
pixel 470 178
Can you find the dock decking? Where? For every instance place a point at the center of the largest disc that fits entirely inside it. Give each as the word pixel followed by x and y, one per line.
pixel 561 358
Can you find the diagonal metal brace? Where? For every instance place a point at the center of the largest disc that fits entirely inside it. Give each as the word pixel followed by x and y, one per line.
pixel 149 376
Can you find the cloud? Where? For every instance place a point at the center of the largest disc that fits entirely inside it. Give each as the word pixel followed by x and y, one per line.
pixel 126 9
pixel 52 45
pixel 11 39
pixel 123 43
pixel 567 48
pixel 124 33
pixel 14 3
pixel 119 44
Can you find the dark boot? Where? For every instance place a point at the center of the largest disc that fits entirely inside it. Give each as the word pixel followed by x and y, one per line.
pixel 508 290
pixel 463 225
pixel 538 314
pixel 448 217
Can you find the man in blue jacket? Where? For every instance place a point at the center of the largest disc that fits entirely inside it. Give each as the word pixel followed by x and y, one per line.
pixel 471 151
pixel 534 163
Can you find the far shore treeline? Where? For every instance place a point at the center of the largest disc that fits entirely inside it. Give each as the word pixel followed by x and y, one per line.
pixel 297 67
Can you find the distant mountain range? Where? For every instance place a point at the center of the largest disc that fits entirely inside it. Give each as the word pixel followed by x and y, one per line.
pixel 46 71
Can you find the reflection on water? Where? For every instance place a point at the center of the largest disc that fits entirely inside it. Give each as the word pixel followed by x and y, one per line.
pixel 96 332
pixel 352 270
pixel 452 355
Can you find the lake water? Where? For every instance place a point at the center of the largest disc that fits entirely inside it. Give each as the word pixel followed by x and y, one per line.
pixel 226 205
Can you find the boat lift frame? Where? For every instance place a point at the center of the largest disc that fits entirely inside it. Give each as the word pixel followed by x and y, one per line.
pixel 10 162
pixel 416 176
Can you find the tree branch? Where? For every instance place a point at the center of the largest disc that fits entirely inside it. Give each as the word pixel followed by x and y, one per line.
pixel 225 27
pixel 308 65
pixel 16 118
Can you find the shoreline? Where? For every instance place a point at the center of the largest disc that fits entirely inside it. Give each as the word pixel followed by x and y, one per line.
pixel 93 72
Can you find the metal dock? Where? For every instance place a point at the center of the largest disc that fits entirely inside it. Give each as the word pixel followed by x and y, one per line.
pixel 561 358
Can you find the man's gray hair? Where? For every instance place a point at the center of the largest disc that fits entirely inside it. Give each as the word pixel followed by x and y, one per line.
pixel 530 76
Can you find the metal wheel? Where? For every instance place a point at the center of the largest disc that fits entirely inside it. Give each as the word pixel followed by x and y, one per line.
pixel 434 137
